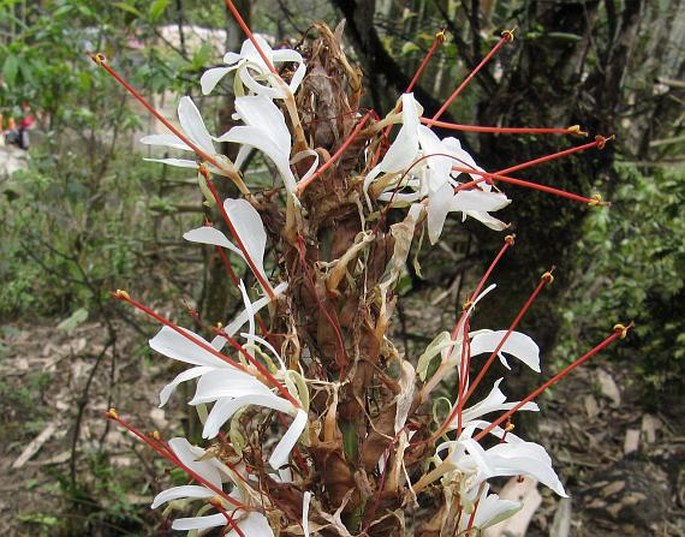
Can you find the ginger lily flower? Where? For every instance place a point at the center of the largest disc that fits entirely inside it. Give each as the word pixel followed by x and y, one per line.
pixel 508 458
pixel 250 523
pixel 194 128
pixel 249 61
pixel 265 129
pixel 228 387
pixel 424 163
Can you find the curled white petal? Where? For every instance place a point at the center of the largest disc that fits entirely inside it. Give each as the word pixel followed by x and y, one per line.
pixel 199 522
pixel 280 454
pixel 189 455
pixel 224 409
pixel 185 491
pixel 175 345
pixel 211 77
pixel 518 345
pixel 184 376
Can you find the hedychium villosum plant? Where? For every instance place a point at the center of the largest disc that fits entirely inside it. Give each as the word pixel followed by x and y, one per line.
pixel 359 441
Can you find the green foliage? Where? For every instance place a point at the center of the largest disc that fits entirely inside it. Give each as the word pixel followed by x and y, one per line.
pixel 631 263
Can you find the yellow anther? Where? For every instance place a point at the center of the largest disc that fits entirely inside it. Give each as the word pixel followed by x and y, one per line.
pixel 219 325
pixel 548 276
pixel 99 58
pixel 602 141
pixel 156 435
pixel 467 304
pixel 575 130
pixel 120 294
pixel 509 239
pixel 441 35
pixel 112 413
pixel 623 329
pixel 510 427
pixel 596 200
pixel 509 34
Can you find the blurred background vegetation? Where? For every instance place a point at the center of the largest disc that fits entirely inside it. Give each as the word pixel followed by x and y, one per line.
pixel 88 215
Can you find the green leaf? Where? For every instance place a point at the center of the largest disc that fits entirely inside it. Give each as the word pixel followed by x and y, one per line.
pixel 157 8
pixel 10 69
pixel 74 320
pixel 128 8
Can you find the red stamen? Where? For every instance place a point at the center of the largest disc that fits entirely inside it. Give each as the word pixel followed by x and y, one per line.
pixel 169 455
pixel 246 30
pixel 229 518
pixel 506 36
pixel 227 265
pixel 600 142
pixel 573 130
pixel 439 40
pixel 100 60
pixel 620 332
pixel 304 184
pixel 487 177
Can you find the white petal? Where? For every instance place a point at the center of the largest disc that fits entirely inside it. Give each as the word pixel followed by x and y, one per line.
pixel 193 125
pixel 260 112
pixel 495 401
pixel 211 235
pixel 186 491
pixel 189 455
pixel 280 455
pixel 178 347
pixel 477 200
pixel 199 522
pixel 249 227
pixel 438 207
pixel 518 345
pixel 306 500
pixel 224 383
pixel 166 140
pixel 177 162
pixel 224 409
pixel 526 458
pixel 211 77
pixel 405 147
pixel 186 375
pixel 254 525
pixel 255 137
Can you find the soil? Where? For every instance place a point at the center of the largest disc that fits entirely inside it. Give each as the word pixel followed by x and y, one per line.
pixel 623 465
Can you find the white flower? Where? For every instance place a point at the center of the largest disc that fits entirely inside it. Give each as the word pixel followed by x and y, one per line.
pixel 249 61
pixel 489 511
pixel 511 457
pixel 227 386
pixel 265 129
pixel 424 163
pixel 194 128
pixel 192 457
